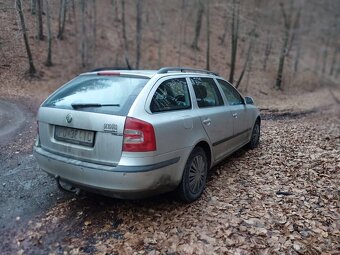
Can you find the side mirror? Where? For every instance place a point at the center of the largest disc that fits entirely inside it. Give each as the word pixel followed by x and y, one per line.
pixel 249 100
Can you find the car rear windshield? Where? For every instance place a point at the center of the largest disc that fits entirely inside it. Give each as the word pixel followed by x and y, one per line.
pixel 102 94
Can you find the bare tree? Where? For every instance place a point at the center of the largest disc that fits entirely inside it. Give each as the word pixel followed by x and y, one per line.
pixel 126 45
pixel 183 8
pixel 62 18
pixel 334 61
pixel 139 11
pixel 49 35
pixel 198 25
pixel 317 62
pixel 225 29
pixel 296 37
pixel 31 71
pixel 234 39
pixel 114 4
pixel 83 34
pixel 94 25
pixel 285 46
pixel 252 36
pixel 33 4
pixel 208 36
pixel 40 33
pixel 161 24
pixel 324 59
pixel 267 50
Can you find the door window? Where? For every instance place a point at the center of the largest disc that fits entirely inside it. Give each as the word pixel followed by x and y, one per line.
pixel 171 95
pixel 232 95
pixel 206 91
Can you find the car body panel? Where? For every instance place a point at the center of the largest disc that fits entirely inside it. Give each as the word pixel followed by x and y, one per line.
pixel 107 147
pixel 104 167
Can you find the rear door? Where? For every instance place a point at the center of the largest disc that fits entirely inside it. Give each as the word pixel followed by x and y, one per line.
pixel 240 113
pixel 84 120
pixel 216 119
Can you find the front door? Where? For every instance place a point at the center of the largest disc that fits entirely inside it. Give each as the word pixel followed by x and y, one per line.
pixel 241 123
pixel 216 120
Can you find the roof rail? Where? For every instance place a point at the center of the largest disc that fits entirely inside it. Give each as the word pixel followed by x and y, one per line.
pixel 183 69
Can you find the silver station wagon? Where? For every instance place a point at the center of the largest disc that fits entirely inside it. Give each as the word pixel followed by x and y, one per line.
pixel 132 134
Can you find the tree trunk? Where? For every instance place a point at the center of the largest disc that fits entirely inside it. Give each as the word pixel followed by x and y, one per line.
pixel 324 60
pixel 33 6
pixel 181 31
pixel 297 56
pixel 94 23
pixel 139 10
pixel 160 35
pixel 248 56
pixel 225 29
pixel 208 36
pixel 114 4
pixel 126 45
pixel 334 62
pixel 83 34
pixel 279 76
pixel 62 18
pixel 284 49
pixel 267 52
pixel 49 35
pixel 316 64
pixel 234 39
pixel 198 26
pixel 40 33
pixel 31 71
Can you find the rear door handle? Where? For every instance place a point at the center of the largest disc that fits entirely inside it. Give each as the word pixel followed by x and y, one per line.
pixel 235 115
pixel 207 122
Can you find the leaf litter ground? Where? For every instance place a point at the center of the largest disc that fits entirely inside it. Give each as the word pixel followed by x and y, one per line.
pixel 281 198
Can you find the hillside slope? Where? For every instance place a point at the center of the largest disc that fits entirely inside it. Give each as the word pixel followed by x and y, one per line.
pixel 168 29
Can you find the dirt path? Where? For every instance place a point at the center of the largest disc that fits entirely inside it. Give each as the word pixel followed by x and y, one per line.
pixel 12 118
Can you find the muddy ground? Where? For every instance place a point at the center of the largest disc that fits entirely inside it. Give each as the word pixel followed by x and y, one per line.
pixel 281 198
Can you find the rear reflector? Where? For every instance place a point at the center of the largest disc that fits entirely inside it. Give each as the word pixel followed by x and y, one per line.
pixel 139 136
pixel 109 73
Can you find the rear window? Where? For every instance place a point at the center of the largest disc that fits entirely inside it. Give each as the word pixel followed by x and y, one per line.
pixel 101 94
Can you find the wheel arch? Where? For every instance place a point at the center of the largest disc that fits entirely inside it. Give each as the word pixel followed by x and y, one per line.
pixel 206 147
pixel 258 119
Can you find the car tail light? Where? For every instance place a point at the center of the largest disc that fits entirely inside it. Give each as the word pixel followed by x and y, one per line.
pixel 110 73
pixel 139 136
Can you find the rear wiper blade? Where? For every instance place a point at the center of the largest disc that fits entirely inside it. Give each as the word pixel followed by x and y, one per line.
pixel 84 105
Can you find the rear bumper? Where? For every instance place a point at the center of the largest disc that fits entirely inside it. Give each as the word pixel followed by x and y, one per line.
pixel 120 181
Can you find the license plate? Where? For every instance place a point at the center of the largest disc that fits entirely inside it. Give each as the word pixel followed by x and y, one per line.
pixel 73 135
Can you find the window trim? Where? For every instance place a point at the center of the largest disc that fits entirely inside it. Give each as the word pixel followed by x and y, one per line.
pixel 216 86
pixel 154 89
pixel 223 94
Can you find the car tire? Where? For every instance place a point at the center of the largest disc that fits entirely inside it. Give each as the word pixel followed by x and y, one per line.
pixel 255 136
pixel 194 176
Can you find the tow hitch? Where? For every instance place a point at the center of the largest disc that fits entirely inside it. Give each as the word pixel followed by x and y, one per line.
pixel 72 189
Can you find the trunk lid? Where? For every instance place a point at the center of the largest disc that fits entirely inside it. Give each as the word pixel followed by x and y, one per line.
pixel 90 137
pixel 84 120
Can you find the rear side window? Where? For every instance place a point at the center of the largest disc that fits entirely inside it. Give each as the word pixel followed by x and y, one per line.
pixel 233 97
pixel 206 91
pixel 101 94
pixel 171 95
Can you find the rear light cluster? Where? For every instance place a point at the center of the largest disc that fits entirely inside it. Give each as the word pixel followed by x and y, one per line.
pixel 109 73
pixel 139 136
